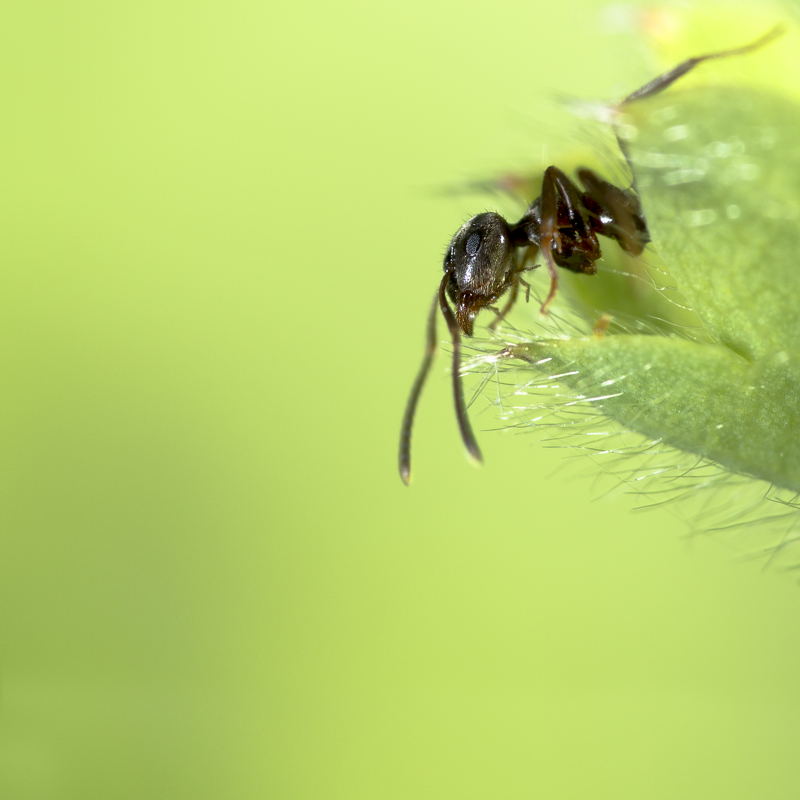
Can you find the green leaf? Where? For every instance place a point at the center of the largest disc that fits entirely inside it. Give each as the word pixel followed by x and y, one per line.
pixel 718 171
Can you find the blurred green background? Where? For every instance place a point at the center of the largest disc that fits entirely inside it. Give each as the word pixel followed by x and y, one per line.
pixel 222 227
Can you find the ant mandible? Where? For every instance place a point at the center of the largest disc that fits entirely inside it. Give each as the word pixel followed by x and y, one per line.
pixel 483 259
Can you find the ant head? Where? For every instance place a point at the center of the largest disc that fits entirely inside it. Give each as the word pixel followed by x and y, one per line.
pixel 479 260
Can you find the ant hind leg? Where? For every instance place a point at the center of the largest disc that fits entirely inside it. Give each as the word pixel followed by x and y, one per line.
pixel 549 231
pixel 661 82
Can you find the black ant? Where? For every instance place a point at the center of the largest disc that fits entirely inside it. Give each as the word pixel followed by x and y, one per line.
pixel 483 259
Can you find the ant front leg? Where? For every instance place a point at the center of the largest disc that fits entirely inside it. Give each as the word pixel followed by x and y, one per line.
pixel 501 315
pixel 530 252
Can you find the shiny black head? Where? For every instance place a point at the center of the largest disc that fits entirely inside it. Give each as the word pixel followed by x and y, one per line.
pixel 480 262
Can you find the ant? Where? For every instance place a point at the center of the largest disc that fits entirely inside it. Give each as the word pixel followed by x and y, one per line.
pixel 483 259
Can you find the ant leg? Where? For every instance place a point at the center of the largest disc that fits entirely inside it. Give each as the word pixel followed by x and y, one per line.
pixel 416 390
pixel 572 199
pixel 458 389
pixel 501 315
pixel 548 231
pixel 508 306
pixel 663 81
pixel 530 252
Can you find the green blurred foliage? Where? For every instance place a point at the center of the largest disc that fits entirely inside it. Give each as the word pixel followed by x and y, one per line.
pixel 222 226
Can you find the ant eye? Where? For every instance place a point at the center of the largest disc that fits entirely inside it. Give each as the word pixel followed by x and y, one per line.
pixel 473 243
